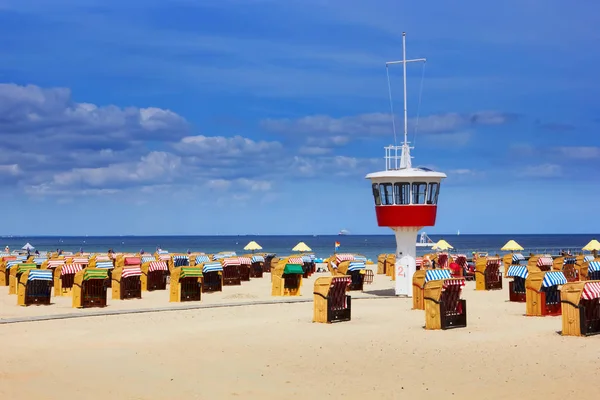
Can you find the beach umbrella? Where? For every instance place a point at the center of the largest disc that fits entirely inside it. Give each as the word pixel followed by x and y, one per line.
pixel 442 245
pixel 511 245
pixel 253 246
pixel 301 247
pixel 28 247
pixel 593 246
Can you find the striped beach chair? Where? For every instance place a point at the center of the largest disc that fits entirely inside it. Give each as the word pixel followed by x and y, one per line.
pixel 355 270
pixel 90 287
pixel 5 266
pixel 35 287
pixel 64 276
pixel 181 261
pixel 593 270
pixel 231 271
pixel 543 294
pixel 444 309
pixel 154 275
pixel 580 307
pixel 244 268
pixel 16 270
pixel 126 282
pixel 268 261
pixel 286 277
pixel 422 276
pixel 330 301
pixel 212 276
pixel 186 284
pixel 487 273
pixel 256 269
pixel 516 287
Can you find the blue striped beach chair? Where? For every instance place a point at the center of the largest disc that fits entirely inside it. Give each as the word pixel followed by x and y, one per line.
pixel 35 287
pixel 593 270
pixel 542 292
pixel 516 287
pixel 256 269
pixel 212 272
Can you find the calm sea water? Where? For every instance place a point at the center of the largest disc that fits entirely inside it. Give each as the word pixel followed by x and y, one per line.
pixel 322 246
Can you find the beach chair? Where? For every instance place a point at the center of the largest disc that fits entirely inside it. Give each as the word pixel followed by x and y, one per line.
pixel 570 269
pixel 180 260
pixel 542 293
pixel 286 277
pixel 544 263
pixel 444 309
pixel 580 303
pixel 593 270
pixel 308 266
pixel 516 287
pixel 126 282
pixel 154 275
pixel 16 270
pixel 442 260
pixel 5 263
pixel 186 284
pixel 268 262
pixel 35 287
pixel 421 278
pixel 212 277
pixel 231 271
pixel 487 274
pixel 369 277
pixel 244 268
pixel 89 288
pixel 511 259
pixel 330 301
pixel 256 268
pixel 355 270
pixel 390 266
pixel 381 264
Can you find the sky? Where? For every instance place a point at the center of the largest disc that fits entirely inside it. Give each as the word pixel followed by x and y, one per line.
pixel 264 116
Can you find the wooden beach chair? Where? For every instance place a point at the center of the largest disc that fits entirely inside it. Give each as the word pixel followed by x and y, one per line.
pixel 5 267
pixel 126 281
pixel 444 309
pixel 287 277
pixel 244 268
pixel 420 278
pixel 15 275
pixel 487 274
pixel 381 264
pixel 570 269
pixel 268 262
pixel 231 271
pixel 580 303
pixel 593 270
pixel 543 294
pixel 442 260
pixel 544 263
pixel 355 270
pixel 154 275
pixel 89 288
pixel 186 284
pixel 390 266
pixel 35 287
pixel 212 276
pixel 256 268
pixel 516 287
pixel 330 301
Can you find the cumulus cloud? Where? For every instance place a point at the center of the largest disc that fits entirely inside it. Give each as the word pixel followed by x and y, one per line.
pixel 34 118
pixel 542 171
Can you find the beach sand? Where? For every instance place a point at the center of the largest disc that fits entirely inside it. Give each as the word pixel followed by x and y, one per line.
pixel 275 351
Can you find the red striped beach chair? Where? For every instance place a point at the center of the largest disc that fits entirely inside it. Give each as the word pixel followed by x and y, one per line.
pixel 580 303
pixel 154 275
pixel 64 276
pixel 487 273
pixel 444 309
pixel 231 271
pixel 127 282
pixel 244 268
pixel 331 303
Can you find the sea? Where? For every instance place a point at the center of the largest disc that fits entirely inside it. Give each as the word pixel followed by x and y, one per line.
pixel 322 245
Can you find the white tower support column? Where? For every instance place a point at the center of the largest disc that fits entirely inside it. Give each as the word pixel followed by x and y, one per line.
pixel 406 254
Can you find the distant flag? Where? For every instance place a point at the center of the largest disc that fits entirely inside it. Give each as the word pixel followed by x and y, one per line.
pixel 337 245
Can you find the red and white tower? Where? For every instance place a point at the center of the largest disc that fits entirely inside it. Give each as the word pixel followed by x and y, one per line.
pixel 405 197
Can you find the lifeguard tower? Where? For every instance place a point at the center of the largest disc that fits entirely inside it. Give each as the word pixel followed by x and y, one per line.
pixel 405 197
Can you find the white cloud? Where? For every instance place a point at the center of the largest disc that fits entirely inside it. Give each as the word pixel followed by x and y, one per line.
pixel 12 170
pixel 313 150
pixel 542 171
pixel 579 152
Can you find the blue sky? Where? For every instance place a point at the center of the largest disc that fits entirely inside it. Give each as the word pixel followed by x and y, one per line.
pixel 263 116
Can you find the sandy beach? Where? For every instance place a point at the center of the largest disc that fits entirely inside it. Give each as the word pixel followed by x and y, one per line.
pixel 274 351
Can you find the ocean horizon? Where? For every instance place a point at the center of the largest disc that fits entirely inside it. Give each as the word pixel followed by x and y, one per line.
pixel 322 245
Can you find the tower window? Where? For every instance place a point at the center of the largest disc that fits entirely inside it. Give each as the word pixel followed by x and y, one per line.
pixel 434 191
pixel 387 194
pixel 419 191
pixel 402 193
pixel 376 194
